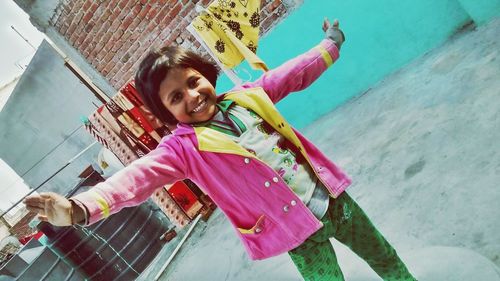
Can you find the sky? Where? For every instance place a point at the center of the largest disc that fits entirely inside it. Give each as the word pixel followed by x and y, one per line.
pixel 15 54
pixel 12 187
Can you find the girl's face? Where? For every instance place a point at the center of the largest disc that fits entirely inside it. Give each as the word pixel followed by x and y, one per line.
pixel 188 95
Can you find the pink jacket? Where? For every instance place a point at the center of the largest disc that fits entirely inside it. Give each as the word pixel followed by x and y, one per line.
pixel 267 216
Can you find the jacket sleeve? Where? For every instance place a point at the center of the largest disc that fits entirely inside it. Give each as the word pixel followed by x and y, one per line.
pixel 133 184
pixel 297 73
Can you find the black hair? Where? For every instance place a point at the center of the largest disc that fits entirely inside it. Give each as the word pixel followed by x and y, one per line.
pixel 154 68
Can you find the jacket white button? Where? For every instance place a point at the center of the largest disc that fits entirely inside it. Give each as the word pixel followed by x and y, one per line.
pixel 247 160
pixel 286 208
pixel 275 179
pixel 258 230
pixel 267 184
pixel 293 202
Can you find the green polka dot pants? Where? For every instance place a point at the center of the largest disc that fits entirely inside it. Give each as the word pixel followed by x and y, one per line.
pixel 345 221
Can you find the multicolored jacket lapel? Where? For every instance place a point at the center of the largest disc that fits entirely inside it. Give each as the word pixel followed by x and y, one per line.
pixel 255 99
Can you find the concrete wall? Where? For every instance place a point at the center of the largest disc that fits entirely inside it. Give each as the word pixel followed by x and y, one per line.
pixel 40 127
pixel 382 36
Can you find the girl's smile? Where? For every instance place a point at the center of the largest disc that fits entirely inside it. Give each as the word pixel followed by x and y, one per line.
pixel 201 106
pixel 188 95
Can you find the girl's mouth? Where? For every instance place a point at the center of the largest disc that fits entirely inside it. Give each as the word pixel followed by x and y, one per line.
pixel 201 106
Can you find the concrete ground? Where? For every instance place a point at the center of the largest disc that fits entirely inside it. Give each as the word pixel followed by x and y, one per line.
pixel 423 148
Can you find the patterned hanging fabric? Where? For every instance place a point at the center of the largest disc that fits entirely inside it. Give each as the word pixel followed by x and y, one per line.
pixel 230 28
pixel 134 106
pixel 100 127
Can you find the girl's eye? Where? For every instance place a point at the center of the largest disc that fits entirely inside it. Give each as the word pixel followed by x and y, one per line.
pixel 193 82
pixel 176 98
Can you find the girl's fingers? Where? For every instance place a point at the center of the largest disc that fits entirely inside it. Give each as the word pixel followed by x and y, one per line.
pixel 326 24
pixel 46 195
pixel 49 205
pixel 32 198
pixel 36 209
pixel 34 202
pixel 336 23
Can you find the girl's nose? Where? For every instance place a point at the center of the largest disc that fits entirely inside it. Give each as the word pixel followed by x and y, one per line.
pixel 193 93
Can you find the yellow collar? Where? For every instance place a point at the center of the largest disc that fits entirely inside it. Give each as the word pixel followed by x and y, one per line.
pixel 258 101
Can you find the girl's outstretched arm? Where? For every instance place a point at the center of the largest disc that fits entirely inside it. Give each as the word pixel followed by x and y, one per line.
pixel 128 187
pixel 299 72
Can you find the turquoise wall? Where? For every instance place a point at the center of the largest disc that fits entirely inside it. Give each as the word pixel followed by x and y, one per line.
pixel 382 36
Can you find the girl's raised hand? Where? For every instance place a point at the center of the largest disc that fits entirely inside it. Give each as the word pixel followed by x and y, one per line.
pixel 51 207
pixel 333 32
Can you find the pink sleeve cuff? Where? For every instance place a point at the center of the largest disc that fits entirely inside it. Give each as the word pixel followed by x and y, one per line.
pixel 331 49
pixel 95 205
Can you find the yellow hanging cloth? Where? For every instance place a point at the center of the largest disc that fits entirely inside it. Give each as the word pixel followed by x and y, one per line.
pixel 230 28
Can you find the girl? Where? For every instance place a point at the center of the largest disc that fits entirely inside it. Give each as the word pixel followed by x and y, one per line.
pixel 277 189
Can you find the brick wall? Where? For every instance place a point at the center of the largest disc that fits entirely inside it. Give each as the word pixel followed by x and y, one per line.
pixel 114 35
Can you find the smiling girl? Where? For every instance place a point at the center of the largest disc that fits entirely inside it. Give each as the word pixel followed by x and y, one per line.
pixel 278 190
